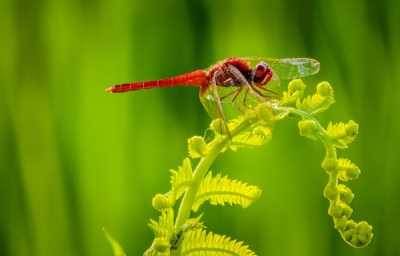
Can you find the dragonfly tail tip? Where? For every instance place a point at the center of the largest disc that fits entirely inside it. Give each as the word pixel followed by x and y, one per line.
pixel 110 90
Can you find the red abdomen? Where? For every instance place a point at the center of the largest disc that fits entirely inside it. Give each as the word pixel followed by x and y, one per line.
pixel 195 78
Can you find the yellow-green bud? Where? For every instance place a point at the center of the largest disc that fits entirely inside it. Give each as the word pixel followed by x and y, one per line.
pixel 348 234
pixel 364 226
pixel 347 211
pixel 162 202
pixel 197 147
pixel 351 225
pixel 218 126
pixel 161 244
pixel 340 223
pixel 324 89
pixel 329 163
pixel 345 194
pixel 353 172
pixel 335 210
pixel 262 131
pixel 296 85
pixel 352 129
pixel 358 236
pixel 265 112
pixel 307 128
pixel 331 191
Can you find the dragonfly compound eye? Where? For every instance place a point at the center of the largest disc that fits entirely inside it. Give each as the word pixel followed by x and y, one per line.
pixel 262 73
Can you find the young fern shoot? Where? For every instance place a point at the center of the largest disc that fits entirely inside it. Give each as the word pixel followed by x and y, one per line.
pixel 185 235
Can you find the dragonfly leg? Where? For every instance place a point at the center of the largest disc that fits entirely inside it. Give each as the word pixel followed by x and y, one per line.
pixel 238 91
pixel 230 93
pixel 245 98
pixel 256 93
pixel 220 109
pixel 259 94
pixel 268 90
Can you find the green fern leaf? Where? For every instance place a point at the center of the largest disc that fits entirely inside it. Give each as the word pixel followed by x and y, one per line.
pixel 218 127
pixel 117 248
pixel 165 226
pixel 153 252
pixel 181 179
pixel 259 136
pixel 221 190
pixel 198 242
pixel 342 134
pixel 295 91
pixel 163 231
pixel 197 147
pixel 190 224
pixel 319 102
pixel 347 170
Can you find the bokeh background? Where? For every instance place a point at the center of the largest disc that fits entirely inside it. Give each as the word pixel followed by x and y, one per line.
pixel 74 159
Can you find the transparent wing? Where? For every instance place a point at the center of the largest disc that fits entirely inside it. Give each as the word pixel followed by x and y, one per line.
pixel 235 102
pixel 287 68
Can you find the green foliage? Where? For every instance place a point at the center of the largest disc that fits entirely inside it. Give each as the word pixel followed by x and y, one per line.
pixel 118 251
pixel 347 170
pixel 181 179
pixel 342 134
pixel 164 231
pixel 295 92
pixel 200 242
pixel 319 102
pixel 187 236
pixel 221 190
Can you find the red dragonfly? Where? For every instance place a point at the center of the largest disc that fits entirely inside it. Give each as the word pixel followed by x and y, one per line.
pixel 241 82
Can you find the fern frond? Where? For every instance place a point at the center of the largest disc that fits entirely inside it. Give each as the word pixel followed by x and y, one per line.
pixel 357 234
pixel 259 136
pixel 163 231
pixel 308 128
pixel 295 91
pixel 200 243
pixel 197 147
pixel 117 248
pixel 342 134
pixel 153 252
pixel 165 225
pixel 346 195
pixel 162 202
pixel 221 190
pixel 181 179
pixel 193 223
pixel 190 224
pixel 347 170
pixel 319 102
pixel 218 127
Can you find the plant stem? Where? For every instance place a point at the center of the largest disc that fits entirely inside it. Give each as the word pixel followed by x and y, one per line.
pixel 202 168
pixel 326 140
pixel 302 114
pixel 206 162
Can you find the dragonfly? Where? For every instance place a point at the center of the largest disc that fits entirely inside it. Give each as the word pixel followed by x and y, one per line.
pixel 235 84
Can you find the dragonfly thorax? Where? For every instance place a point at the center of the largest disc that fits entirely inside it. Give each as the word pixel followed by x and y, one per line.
pixel 234 72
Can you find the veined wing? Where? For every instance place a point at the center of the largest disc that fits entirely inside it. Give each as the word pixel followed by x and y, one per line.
pixel 287 69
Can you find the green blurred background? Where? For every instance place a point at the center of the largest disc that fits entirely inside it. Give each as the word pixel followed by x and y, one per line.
pixel 74 159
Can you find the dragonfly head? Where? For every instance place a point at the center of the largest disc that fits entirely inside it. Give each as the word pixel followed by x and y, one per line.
pixel 261 74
